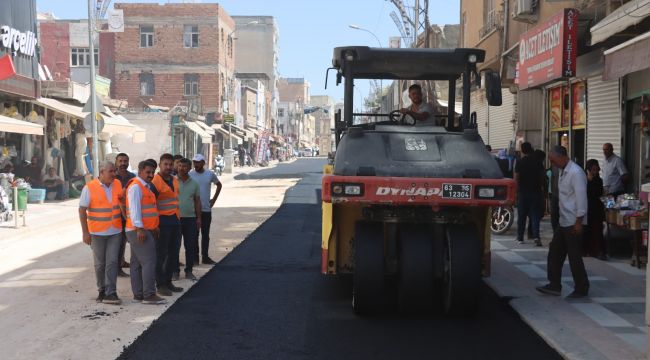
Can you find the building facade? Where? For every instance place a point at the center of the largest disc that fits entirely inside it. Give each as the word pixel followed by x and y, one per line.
pixel 22 124
pixel 258 51
pixel 575 70
pixel 174 54
pixel 323 111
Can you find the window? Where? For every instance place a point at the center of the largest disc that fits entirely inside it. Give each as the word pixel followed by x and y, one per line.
pixel 147 87
pixel 191 85
pixel 280 112
pixel 191 36
pixel 146 36
pixel 81 57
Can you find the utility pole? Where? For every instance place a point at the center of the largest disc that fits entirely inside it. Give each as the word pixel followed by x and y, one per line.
pixel 93 105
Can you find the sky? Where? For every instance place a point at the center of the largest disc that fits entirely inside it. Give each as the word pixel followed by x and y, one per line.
pixel 308 29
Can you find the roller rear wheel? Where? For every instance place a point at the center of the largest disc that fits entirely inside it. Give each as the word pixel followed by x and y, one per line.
pixel 416 275
pixel 368 281
pixel 462 270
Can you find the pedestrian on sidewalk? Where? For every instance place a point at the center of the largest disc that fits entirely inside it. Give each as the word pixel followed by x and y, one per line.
pixel 189 199
pixel 205 178
pixel 567 239
pixel 165 186
pixel 615 174
pixel 594 243
pixel 540 156
pixel 141 230
pixel 101 225
pixel 553 174
pixel 124 176
pixel 177 161
pixel 529 175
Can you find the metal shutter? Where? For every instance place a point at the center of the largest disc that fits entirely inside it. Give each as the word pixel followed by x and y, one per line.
pixel 603 117
pixel 494 127
pixel 501 130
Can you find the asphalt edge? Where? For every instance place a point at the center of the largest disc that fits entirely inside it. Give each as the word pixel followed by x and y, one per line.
pixel 569 344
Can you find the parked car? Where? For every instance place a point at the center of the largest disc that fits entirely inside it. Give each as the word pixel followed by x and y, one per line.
pixel 307 152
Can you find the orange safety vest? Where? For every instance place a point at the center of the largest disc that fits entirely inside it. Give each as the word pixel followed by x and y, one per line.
pixel 148 208
pixel 167 198
pixel 103 213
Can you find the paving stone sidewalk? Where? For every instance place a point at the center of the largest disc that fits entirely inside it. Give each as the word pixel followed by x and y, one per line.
pixel 610 324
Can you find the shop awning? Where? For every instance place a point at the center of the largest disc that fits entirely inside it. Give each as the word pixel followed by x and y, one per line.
pixel 117 124
pixel 627 57
pixel 12 125
pixel 205 137
pixel 205 127
pixel 72 110
pixel 277 139
pixel 237 140
pixel 620 19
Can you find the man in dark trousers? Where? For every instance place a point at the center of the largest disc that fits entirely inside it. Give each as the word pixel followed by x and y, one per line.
pixel 205 178
pixel 529 175
pixel 165 187
pixel 124 176
pixel 567 239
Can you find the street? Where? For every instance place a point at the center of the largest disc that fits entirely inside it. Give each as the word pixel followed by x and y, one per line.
pixel 267 300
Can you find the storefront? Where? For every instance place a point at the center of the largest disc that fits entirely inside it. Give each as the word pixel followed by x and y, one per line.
pixel 21 123
pixel 628 63
pixel 547 61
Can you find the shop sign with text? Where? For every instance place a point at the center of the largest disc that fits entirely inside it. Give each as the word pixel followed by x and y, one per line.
pixel 16 41
pixel 548 51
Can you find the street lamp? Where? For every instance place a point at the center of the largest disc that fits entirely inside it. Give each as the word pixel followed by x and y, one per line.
pixel 357 27
pixel 231 39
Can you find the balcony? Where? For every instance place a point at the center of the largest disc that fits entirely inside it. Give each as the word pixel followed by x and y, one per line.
pixel 490 41
pixel 493 22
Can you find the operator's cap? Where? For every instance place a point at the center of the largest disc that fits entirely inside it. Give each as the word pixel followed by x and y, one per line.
pixel 198 157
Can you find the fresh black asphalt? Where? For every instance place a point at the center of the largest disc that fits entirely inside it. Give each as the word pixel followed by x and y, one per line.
pixel 268 300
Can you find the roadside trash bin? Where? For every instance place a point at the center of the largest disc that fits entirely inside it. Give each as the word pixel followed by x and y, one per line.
pixel 22 199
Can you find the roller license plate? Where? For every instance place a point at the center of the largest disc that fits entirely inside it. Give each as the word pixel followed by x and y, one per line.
pixel 456 191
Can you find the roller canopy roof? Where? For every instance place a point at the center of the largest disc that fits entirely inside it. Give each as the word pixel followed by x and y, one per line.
pixel 411 64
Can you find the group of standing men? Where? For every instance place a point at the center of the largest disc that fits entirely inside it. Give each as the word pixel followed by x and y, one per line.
pixel 153 212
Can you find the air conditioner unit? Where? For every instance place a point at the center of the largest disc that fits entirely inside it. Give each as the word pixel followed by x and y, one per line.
pixel 524 10
pixel 524 7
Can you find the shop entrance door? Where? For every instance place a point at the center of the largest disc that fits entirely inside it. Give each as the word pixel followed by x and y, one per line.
pixel 637 151
pixel 579 147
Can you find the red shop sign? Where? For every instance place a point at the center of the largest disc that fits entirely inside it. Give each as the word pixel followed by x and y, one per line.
pixel 548 51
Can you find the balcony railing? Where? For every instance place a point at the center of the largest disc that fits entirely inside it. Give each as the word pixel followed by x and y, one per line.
pixel 493 21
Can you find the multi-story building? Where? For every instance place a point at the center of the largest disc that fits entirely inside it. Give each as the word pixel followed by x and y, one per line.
pixel 173 54
pixel 257 58
pixel 576 71
pixel 295 92
pixel 323 111
pixel 249 106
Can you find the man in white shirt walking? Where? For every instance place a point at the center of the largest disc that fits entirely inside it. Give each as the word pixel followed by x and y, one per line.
pixel 567 238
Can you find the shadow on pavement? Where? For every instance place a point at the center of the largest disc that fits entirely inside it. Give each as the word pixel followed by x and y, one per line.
pixel 290 170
